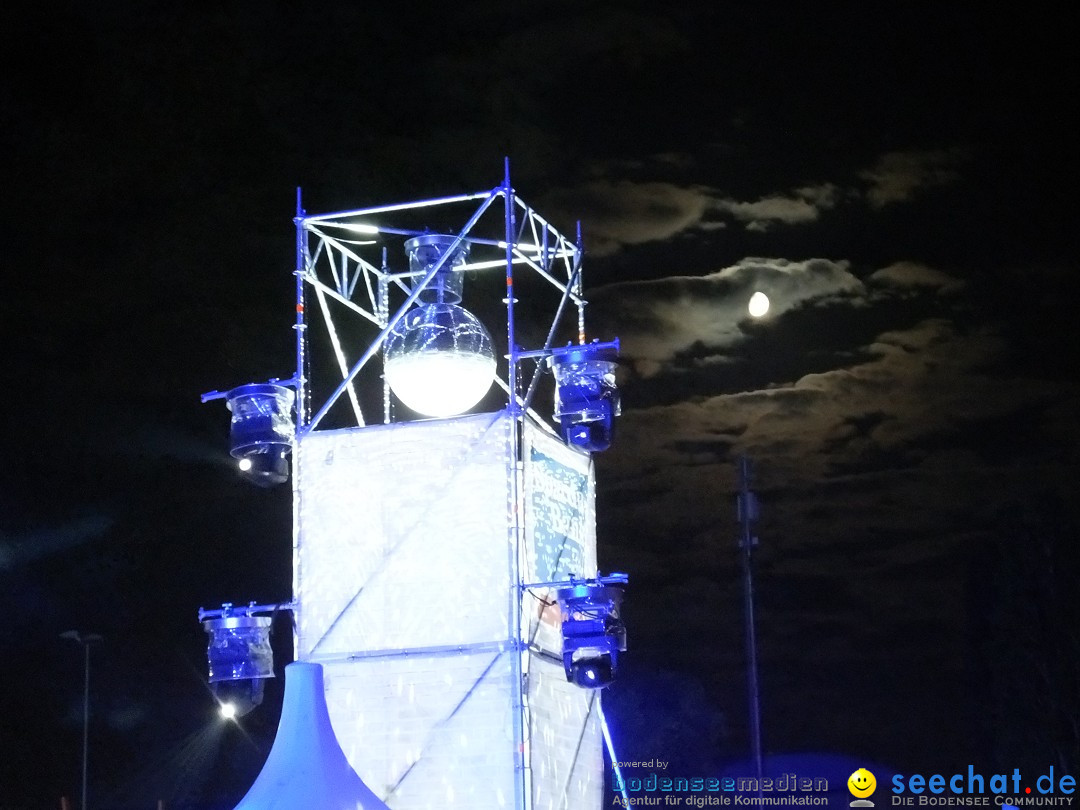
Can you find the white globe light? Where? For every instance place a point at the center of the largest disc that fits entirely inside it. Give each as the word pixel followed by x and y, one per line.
pixel 759 304
pixel 228 711
pixel 244 464
pixel 439 360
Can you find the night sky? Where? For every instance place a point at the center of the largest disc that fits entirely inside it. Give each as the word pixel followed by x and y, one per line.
pixel 899 179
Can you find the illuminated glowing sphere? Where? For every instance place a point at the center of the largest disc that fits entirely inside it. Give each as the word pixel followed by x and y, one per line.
pixel 228 711
pixel 439 360
pixel 759 304
pixel 244 464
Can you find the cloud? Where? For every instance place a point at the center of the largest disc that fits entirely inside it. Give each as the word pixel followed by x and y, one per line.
pixel 899 176
pixel 907 436
pixel 907 275
pixel 619 213
pixel 658 319
pixel 801 206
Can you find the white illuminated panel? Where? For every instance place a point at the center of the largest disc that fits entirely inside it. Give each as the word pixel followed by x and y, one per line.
pixel 403 566
pixel 428 731
pixel 402 537
pixel 566 744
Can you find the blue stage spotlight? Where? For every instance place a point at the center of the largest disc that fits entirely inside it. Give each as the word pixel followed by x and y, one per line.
pixel 237 698
pixel 262 431
pixel 265 468
pixel 239 657
pixel 586 397
pixel 594 673
pixel 593 635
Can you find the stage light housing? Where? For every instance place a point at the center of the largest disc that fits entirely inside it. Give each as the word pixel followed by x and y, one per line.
pixel 239 658
pixel 593 635
pixel 586 396
pixel 262 430
pixel 239 647
pixel 266 468
pixel 592 673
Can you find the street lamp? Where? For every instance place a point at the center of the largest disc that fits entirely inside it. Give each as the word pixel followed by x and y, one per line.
pixel 85 639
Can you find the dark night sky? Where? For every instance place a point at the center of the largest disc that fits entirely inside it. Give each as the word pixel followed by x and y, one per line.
pixel 900 181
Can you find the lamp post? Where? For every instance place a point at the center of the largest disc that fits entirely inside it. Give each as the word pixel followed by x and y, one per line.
pixel 748 514
pixel 85 639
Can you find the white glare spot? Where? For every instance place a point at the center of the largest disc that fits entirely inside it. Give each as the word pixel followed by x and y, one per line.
pixel 245 464
pixel 228 711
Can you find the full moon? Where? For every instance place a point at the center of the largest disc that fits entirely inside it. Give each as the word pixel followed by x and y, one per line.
pixel 759 304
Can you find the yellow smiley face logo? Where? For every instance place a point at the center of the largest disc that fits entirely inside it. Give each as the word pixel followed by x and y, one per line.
pixel 861 783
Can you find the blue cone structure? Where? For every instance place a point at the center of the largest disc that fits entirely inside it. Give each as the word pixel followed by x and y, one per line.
pixel 306 769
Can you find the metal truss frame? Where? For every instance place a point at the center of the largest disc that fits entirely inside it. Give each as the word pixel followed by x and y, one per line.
pixel 339 259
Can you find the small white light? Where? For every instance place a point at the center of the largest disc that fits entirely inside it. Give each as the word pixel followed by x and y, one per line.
pixel 360 227
pixel 244 464
pixel 228 711
pixel 759 304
